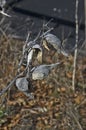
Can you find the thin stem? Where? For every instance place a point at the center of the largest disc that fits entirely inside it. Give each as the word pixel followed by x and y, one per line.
pixel 76 49
pixel 85 21
pixel 10 84
pixel 76 120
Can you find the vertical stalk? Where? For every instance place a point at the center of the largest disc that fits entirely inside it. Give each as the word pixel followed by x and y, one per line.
pixel 76 50
pixel 85 20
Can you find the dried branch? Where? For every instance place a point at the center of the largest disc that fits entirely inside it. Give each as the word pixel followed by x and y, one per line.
pixel 10 84
pixel 84 101
pixel 76 120
pixel 76 49
pixel 85 20
pixel 24 47
pixel 72 113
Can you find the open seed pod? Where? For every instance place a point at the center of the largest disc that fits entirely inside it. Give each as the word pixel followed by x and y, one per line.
pixel 37 48
pixel 35 52
pixel 45 45
pixel 56 43
pixel 52 40
pixel 30 56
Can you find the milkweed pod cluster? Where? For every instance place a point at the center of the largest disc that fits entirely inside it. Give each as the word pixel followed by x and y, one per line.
pixel 41 71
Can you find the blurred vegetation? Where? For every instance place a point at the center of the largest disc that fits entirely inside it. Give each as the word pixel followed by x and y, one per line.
pixel 55 105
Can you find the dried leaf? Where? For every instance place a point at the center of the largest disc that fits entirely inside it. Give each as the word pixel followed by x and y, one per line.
pixel 14 121
pixel 69 74
pixel 63 89
pixel 78 99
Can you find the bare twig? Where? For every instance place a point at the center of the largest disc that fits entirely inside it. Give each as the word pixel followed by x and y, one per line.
pixel 72 113
pixel 85 20
pixel 76 50
pixel 46 32
pixel 19 74
pixel 3 13
pixel 38 35
pixel 1 30
pixel 10 84
pixel 84 101
pixel 76 120
pixel 2 20
pixel 50 29
pixel 21 60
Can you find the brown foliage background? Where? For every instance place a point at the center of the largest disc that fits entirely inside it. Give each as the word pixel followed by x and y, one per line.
pixel 55 105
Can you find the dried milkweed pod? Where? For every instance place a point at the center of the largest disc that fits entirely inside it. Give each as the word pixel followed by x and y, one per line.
pixel 52 40
pixel 55 42
pixel 29 55
pixel 39 50
pixel 40 72
pixel 22 84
